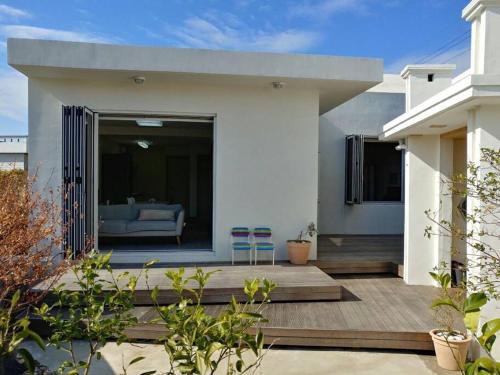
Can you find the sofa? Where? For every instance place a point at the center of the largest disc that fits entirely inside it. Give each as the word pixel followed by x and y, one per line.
pixel 141 220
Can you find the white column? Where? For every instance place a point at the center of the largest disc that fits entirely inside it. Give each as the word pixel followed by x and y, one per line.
pixel 483 131
pixel 484 16
pixel 422 163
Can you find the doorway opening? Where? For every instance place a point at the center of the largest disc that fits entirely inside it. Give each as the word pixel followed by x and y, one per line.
pixel 155 189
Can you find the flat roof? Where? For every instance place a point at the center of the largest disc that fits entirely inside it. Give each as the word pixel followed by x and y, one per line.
pixel 338 79
pixel 448 109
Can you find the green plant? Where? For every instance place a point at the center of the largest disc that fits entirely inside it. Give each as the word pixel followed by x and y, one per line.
pixel 469 309
pixel 310 231
pixel 98 310
pixel 198 343
pixel 480 186
pixel 13 331
pixel 444 305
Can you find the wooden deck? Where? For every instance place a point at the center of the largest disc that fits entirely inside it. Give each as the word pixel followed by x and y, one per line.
pixel 295 283
pixel 375 312
pixel 360 254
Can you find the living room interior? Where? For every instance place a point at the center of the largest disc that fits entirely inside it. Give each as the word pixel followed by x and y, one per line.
pixel 155 183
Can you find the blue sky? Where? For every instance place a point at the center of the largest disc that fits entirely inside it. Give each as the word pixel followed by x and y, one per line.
pixel 399 31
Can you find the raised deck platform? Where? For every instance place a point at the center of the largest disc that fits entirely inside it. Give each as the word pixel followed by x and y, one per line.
pixel 375 312
pixel 360 254
pixel 306 283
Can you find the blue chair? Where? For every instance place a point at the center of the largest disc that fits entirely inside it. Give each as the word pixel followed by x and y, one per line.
pixel 263 241
pixel 240 241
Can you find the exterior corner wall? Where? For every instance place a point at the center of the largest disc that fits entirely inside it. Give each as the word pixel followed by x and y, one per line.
pixel 422 192
pixel 483 131
pixel 365 114
pixel 265 148
pixel 419 89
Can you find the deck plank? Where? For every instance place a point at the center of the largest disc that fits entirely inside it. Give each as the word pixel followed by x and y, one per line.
pixel 295 283
pixel 378 312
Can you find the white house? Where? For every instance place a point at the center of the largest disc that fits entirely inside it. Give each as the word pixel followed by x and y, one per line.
pixel 446 124
pixel 231 136
pixel 13 152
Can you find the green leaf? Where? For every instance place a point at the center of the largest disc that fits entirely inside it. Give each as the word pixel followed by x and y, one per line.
pixel 38 340
pixel 251 315
pixel 15 298
pixel 489 330
pixel 260 339
pixel 150 263
pixel 135 360
pixel 154 293
pixel 28 360
pixel 474 302
pixel 239 365
pixel 447 301
pixel 471 320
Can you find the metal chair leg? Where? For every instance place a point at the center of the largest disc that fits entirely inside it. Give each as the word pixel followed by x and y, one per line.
pixel 273 257
pixel 232 257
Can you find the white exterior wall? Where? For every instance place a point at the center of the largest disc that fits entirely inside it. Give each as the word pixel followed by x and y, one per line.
pixel 11 161
pixel 421 193
pixel 483 131
pixel 365 115
pixel 13 154
pixel 265 148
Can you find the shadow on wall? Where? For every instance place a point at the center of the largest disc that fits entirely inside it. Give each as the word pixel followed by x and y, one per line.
pixel 365 115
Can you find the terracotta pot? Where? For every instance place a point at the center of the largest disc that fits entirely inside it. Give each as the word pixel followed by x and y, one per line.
pixel 298 251
pixel 450 355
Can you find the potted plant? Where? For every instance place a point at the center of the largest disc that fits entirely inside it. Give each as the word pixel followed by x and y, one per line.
pixel 298 249
pixel 450 344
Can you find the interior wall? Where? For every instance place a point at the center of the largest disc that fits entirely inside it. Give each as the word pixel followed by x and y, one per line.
pixel 149 166
pixel 265 148
pixel 365 115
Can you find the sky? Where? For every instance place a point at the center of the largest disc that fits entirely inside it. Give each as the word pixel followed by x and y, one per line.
pixel 399 31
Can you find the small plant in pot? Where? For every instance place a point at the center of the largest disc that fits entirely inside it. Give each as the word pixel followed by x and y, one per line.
pixel 451 345
pixel 298 249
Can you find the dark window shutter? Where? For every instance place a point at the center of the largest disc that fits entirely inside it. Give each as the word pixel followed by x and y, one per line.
pixel 77 169
pixel 353 169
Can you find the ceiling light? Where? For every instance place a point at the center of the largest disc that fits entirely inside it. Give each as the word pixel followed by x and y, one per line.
pixel 139 80
pixel 144 144
pixel 437 126
pixel 278 85
pixel 150 123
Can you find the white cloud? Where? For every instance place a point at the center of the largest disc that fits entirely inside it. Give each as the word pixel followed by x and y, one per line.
pixel 209 33
pixel 13 12
pixel 459 56
pixel 13 95
pixel 326 8
pixel 33 32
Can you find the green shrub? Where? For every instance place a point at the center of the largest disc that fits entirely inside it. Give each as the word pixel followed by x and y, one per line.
pixel 198 343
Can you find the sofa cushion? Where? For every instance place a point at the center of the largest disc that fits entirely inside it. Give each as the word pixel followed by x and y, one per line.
pixel 154 215
pixel 113 226
pixel 136 208
pixel 151 225
pixel 116 212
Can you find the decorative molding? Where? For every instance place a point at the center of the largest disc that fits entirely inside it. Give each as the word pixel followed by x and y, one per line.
pixel 476 7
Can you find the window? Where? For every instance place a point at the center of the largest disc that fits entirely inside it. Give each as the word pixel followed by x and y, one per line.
pixel 373 171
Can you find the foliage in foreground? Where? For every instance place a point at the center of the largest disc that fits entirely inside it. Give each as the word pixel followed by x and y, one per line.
pixel 98 310
pixel 469 309
pixel 481 187
pixel 197 342
pixel 30 238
